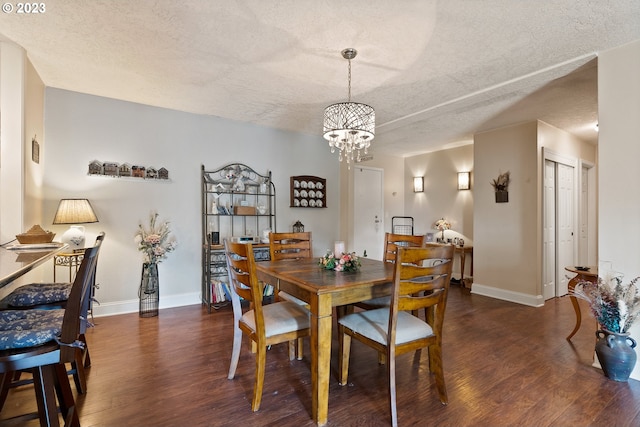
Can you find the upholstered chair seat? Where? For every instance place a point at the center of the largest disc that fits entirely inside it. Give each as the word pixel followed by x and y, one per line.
pixel 36 294
pixel 280 318
pixel 29 328
pixel 374 324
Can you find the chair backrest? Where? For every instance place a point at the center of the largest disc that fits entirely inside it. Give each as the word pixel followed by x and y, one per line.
pixel 421 280
pixel 393 241
pixel 86 300
pixel 290 245
pixel 243 280
pixel 80 291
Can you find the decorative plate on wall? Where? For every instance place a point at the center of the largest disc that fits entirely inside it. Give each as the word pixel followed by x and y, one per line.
pixel 308 192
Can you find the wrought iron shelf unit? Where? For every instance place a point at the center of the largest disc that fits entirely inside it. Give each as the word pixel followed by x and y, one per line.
pixel 237 202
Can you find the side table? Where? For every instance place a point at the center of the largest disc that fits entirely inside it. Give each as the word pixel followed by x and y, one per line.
pixel 589 274
pixel 70 261
pixel 463 251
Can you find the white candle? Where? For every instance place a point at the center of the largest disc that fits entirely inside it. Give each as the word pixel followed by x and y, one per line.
pixel 338 249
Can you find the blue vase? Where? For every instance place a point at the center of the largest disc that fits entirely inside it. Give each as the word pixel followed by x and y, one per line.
pixel 616 354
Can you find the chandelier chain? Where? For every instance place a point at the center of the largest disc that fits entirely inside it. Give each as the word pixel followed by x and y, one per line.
pixel 349 78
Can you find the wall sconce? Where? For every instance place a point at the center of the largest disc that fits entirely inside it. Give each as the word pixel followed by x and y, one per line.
pixel 464 180
pixel 418 184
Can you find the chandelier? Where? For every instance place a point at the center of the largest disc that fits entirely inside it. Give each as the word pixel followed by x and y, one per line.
pixel 349 126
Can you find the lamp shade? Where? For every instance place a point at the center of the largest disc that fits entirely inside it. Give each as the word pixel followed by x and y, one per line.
pixel 74 211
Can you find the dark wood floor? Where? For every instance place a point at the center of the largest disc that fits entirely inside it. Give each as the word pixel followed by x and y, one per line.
pixel 505 365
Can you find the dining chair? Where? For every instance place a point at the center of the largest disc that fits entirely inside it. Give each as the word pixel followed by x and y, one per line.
pixel 290 246
pixel 265 325
pixel 391 244
pixel 420 280
pixel 42 342
pixel 52 295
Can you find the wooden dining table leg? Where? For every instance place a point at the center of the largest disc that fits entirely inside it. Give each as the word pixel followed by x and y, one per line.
pixel 320 357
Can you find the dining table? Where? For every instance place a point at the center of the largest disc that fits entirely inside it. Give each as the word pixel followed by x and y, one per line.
pixel 323 290
pixel 17 259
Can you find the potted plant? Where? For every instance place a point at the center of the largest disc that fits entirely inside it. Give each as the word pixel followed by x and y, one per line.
pixel 616 307
pixel 501 187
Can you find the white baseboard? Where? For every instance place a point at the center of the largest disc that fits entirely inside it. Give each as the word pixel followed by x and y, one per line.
pixel 503 294
pixel 132 306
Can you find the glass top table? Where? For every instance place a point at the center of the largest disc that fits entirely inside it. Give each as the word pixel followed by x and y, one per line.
pixel 17 260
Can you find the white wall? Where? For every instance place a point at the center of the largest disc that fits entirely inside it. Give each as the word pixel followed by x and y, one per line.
pixel 81 128
pixel 618 154
pixel 12 83
pixel 508 236
pixel 441 197
pixel 34 128
pixel 21 110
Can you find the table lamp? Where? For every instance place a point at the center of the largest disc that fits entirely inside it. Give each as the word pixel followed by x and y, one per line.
pixel 74 211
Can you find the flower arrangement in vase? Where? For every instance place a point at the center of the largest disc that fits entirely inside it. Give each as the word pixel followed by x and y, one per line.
pixel 345 262
pixel 155 241
pixel 616 307
pixel 441 225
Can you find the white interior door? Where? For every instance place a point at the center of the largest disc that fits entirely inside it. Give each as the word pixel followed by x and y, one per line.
pixel 559 222
pixel 587 217
pixel 549 231
pixel 565 215
pixel 368 225
pixel 583 243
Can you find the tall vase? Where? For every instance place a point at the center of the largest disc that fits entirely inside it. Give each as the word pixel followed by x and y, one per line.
pixel 616 354
pixel 149 292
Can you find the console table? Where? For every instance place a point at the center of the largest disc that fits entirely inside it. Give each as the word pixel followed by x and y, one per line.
pixel 462 252
pixel 589 274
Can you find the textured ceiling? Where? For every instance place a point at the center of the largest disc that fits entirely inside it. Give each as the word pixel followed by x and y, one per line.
pixel 435 71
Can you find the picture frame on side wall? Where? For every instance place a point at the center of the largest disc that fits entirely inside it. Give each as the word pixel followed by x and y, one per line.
pixel 35 150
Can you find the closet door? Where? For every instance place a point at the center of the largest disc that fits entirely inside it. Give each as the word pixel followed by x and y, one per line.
pixel 549 231
pixel 559 223
pixel 565 216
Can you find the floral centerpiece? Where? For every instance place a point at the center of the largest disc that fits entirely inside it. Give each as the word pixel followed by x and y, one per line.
pixel 345 262
pixel 441 225
pixel 614 305
pixel 155 242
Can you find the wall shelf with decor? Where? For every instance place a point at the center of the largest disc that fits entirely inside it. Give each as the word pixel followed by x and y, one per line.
pixel 239 204
pixel 127 171
pixel 308 192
